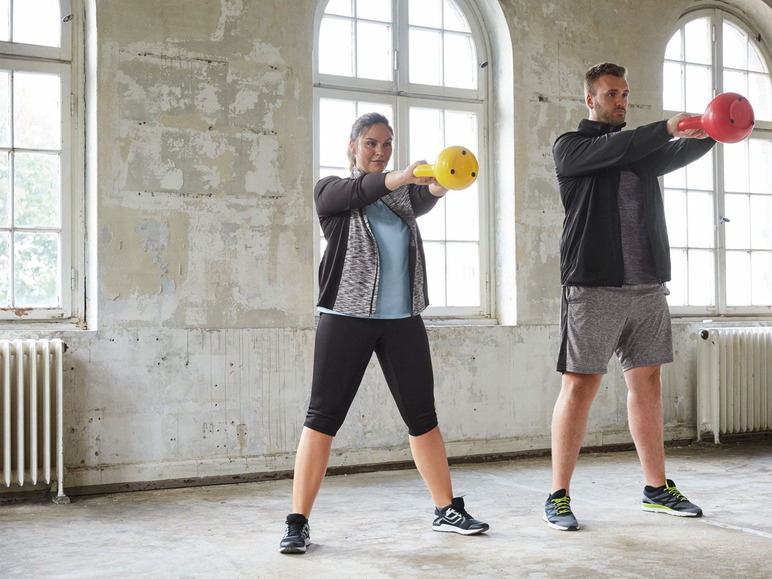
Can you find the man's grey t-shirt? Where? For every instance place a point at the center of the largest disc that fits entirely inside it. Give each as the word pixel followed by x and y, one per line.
pixel 637 254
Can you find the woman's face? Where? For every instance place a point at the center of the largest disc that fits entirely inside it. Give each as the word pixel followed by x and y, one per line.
pixel 372 149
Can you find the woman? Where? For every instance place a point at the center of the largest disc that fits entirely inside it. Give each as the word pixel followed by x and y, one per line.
pixel 372 290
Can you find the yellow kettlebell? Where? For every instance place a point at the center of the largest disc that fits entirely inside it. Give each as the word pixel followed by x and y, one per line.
pixel 455 168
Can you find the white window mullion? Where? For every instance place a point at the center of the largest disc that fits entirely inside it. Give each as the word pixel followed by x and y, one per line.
pixel 720 211
pixel 720 217
pixel 400 34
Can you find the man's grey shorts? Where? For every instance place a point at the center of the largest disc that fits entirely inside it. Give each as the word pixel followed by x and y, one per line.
pixel 595 322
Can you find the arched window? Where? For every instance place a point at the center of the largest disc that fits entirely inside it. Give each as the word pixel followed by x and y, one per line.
pixel 719 209
pixel 38 113
pixel 421 64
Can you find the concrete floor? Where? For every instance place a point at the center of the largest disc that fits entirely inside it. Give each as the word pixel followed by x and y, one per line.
pixel 379 525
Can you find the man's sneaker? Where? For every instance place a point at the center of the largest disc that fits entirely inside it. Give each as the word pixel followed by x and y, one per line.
pixel 557 512
pixel 455 519
pixel 297 536
pixel 667 499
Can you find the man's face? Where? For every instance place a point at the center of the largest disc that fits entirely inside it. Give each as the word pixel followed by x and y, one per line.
pixel 609 103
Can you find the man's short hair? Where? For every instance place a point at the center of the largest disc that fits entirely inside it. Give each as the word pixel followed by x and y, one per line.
pixel 595 72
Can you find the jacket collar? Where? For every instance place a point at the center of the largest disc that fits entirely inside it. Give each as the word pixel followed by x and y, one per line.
pixel 597 128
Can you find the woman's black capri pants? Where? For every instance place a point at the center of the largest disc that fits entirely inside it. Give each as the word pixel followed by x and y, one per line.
pixel 344 346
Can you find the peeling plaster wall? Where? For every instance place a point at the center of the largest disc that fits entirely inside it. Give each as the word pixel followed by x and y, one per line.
pixel 201 362
pixel 204 112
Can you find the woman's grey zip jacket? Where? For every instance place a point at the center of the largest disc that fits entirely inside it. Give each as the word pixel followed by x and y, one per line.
pixel 349 270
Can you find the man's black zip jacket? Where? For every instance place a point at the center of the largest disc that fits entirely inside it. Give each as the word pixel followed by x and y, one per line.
pixel 588 162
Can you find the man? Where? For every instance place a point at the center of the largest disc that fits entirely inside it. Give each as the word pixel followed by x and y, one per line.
pixel 614 261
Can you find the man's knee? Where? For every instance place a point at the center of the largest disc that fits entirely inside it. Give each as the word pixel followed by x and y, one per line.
pixel 581 384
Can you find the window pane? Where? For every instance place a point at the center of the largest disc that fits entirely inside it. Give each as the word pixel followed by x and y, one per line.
pixel 701 278
pixel 677 285
pixel 463 274
pixel 425 57
pixel 675 210
pixel 755 61
pixel 5 271
pixel 699 174
pixel 435 272
pixel 328 172
pixel 736 156
pixel 737 230
pixel 336 39
pixel 5 109
pixel 462 214
pixel 374 10
pixel 676 179
pixel 340 7
pixel 36 190
pixel 699 89
pixel 335 120
pixel 738 278
pixel 673 50
pixel 673 90
pixel 36 270
pixel 5 214
pixel 425 13
pixel 454 18
pixel 5 20
pixel 460 67
pixel 761 278
pixel 735 47
pixel 761 223
pixel 760 96
pixel 426 134
pixel 36 114
pixel 432 224
pixel 698 41
pixel 736 81
pixel 374 51
pixel 364 107
pixel 700 224
pixel 760 152
pixel 37 22
pixel 431 131
pixel 461 129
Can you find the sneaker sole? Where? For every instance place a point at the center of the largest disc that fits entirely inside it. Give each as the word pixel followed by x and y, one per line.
pixel 668 511
pixel 294 549
pixel 558 527
pixel 452 529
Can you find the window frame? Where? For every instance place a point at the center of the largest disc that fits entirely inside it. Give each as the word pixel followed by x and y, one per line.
pixel 65 61
pixel 401 94
pixel 762 130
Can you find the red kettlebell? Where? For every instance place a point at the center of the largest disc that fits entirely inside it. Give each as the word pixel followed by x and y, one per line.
pixel 728 118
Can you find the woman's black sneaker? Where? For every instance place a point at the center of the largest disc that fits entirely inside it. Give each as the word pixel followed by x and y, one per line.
pixel 455 519
pixel 297 536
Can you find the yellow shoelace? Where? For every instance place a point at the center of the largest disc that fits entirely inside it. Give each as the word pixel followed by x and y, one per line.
pixel 562 505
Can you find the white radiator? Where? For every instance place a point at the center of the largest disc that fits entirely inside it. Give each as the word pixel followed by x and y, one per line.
pixel 734 381
pixel 31 437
